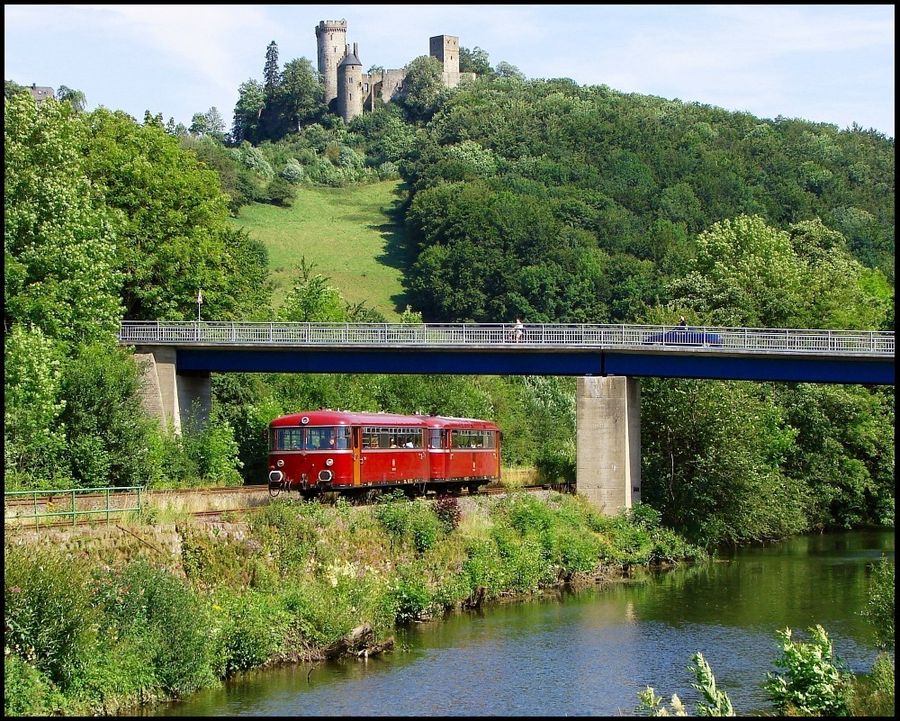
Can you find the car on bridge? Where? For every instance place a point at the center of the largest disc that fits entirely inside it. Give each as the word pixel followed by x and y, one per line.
pixel 684 336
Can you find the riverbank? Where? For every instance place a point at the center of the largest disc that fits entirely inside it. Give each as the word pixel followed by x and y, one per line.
pixel 94 631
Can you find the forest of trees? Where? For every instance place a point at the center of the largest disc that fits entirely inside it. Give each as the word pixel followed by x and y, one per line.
pixel 534 198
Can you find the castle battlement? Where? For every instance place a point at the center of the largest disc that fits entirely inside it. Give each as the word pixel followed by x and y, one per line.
pixel 325 25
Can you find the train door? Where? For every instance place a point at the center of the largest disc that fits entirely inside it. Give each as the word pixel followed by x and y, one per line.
pixel 421 464
pixel 356 443
pixel 437 453
pixel 461 462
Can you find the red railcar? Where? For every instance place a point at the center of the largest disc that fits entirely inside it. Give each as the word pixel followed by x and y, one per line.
pixel 325 450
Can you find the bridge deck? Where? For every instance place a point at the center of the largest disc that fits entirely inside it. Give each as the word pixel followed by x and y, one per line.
pixel 471 336
pixel 831 356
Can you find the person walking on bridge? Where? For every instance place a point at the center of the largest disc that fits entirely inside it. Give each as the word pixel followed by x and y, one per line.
pixel 519 330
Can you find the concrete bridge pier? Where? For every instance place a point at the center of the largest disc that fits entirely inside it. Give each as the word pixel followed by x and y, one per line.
pixel 169 395
pixel 608 438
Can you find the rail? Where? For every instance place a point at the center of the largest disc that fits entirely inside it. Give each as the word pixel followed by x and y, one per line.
pixel 503 335
pixel 70 496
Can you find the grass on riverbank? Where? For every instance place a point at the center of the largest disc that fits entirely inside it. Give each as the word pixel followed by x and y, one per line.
pixel 86 638
pixel 353 235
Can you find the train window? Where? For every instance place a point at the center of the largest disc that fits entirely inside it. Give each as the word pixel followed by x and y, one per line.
pixel 434 439
pixel 473 439
pixel 411 439
pixel 391 437
pixel 342 437
pixel 319 439
pixel 324 439
pixel 287 439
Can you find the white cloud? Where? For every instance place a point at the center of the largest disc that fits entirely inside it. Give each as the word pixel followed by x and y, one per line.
pixel 204 39
pixel 200 37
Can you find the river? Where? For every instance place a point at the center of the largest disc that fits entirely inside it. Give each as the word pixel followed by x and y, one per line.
pixel 590 652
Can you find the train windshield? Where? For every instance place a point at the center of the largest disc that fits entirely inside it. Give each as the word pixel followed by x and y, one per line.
pixel 287 439
pixel 310 439
pixel 329 438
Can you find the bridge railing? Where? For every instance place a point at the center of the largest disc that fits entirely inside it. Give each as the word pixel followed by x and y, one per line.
pixel 781 340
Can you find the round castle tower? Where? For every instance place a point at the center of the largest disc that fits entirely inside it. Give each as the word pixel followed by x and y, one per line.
pixel 349 86
pixel 331 41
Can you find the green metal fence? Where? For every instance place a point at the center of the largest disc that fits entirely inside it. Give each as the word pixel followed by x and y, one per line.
pixel 50 500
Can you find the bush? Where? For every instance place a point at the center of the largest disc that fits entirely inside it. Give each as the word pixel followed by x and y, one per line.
pixel 281 192
pixel 556 463
pixel 27 691
pixel 409 521
pixel 252 631
pixel 292 171
pixel 525 563
pixel 813 683
pixel 446 508
pixel 484 567
pixel 50 620
pixel 573 550
pixel 253 159
pixel 323 610
pixel 645 516
pixel 873 694
pixel 388 171
pixel 168 620
pixel 880 604
pixel 410 594
pixel 527 514
pixel 202 455
pixel 107 429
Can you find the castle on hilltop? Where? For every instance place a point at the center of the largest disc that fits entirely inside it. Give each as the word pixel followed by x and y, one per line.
pixel 353 90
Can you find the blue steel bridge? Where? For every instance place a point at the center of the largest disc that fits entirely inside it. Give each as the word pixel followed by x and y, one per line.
pixel 760 354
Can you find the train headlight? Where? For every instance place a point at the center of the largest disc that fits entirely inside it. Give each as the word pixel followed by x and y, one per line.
pixel 325 476
pixel 329 461
pixel 280 462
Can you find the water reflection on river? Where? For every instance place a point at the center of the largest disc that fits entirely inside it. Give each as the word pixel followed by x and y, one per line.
pixel 589 653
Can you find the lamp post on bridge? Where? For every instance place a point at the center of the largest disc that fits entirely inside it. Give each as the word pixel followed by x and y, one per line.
pixel 199 303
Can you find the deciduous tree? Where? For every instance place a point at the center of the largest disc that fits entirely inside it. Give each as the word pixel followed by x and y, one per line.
pixel 59 236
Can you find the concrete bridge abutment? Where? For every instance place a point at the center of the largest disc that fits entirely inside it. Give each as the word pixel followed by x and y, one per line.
pixel 608 438
pixel 170 396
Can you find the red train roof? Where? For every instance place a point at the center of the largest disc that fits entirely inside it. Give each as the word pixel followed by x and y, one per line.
pixel 347 418
pixel 450 423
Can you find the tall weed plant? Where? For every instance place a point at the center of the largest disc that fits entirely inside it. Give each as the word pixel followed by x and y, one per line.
pixel 814 682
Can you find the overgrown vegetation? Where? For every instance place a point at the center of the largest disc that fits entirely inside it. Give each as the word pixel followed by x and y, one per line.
pixel 82 638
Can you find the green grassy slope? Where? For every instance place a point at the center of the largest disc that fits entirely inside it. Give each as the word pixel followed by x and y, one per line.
pixel 353 235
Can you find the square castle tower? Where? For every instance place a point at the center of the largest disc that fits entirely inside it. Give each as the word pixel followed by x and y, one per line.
pixel 446 49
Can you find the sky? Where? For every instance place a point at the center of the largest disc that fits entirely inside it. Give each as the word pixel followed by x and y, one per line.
pixel 825 63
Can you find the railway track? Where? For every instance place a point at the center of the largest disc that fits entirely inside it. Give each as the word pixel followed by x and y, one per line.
pixel 100 497
pixel 208 515
pixel 213 492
